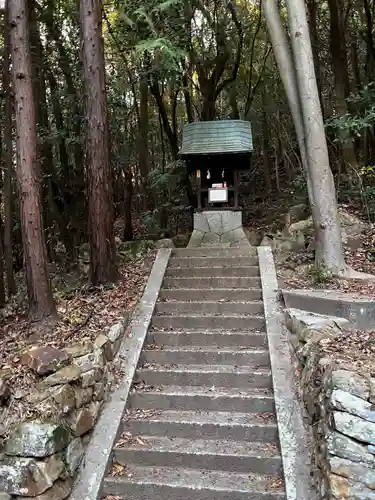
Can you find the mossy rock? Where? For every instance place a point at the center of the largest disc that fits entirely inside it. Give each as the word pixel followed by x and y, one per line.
pixel 254 237
pixel 297 213
pixel 84 252
pixel 131 250
pixel 181 240
pixel 280 242
pixel 164 243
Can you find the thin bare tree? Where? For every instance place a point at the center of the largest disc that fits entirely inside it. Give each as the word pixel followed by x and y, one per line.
pixel 329 250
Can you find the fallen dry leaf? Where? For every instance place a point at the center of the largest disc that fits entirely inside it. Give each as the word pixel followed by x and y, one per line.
pixel 85 313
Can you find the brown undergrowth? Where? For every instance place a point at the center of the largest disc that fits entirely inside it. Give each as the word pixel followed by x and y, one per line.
pixel 83 313
pixel 297 269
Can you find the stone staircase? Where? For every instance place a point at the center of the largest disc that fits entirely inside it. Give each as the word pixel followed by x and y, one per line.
pixel 200 422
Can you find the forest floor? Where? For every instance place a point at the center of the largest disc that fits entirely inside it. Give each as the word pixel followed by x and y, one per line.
pixel 83 311
pixel 296 269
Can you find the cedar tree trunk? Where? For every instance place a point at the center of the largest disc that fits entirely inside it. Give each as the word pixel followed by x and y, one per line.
pixel 34 249
pixel 99 182
pixel 341 79
pixel 8 160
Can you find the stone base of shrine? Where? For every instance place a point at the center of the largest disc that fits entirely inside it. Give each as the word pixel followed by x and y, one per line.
pixel 218 228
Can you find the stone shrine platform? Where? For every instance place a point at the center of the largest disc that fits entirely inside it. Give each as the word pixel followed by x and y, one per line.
pixel 218 228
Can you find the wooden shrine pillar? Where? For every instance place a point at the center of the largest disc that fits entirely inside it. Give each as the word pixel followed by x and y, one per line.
pixel 199 188
pixel 235 187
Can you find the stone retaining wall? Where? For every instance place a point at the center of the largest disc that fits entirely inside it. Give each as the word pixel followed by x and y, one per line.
pixel 339 399
pixel 40 454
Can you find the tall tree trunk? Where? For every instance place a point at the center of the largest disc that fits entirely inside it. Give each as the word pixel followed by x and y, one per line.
pixel 143 138
pixel 41 301
pixel 8 160
pixel 208 112
pixel 285 64
pixel 233 102
pixel 99 182
pixel 266 143
pixel 70 228
pixel 50 187
pixel 370 56
pixel 2 281
pixel 341 79
pixel 59 122
pixel 329 250
pixel 355 66
pixel 75 181
pixel 128 193
pixel 54 33
pixel 65 196
pixel 312 17
pixel 39 89
pixel 188 99
pixel 172 137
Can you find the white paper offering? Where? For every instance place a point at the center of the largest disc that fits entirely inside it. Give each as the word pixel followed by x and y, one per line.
pixel 218 195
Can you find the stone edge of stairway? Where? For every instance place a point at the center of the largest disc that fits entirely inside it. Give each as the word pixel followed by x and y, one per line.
pixel 94 467
pixel 292 433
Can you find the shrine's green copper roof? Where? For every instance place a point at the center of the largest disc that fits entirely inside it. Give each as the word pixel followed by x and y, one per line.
pixel 217 137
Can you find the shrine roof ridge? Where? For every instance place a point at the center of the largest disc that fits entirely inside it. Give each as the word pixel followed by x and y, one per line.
pixel 217 137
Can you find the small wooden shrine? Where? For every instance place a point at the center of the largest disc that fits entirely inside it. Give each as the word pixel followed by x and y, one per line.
pixel 215 152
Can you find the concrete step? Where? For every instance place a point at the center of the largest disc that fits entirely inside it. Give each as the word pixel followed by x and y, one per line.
pixel 194 295
pixel 200 421
pixel 169 483
pixel 214 375
pixel 210 337
pixel 203 425
pixel 229 456
pixel 212 282
pixel 215 252
pixel 174 397
pixel 253 308
pixel 205 355
pixel 200 272
pixel 192 262
pixel 209 321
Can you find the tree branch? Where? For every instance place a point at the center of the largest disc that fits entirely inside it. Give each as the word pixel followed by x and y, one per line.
pixel 172 138
pixel 174 111
pixel 253 90
pixel 187 96
pixel 249 90
pixel 370 38
pixel 232 8
pixel 121 53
